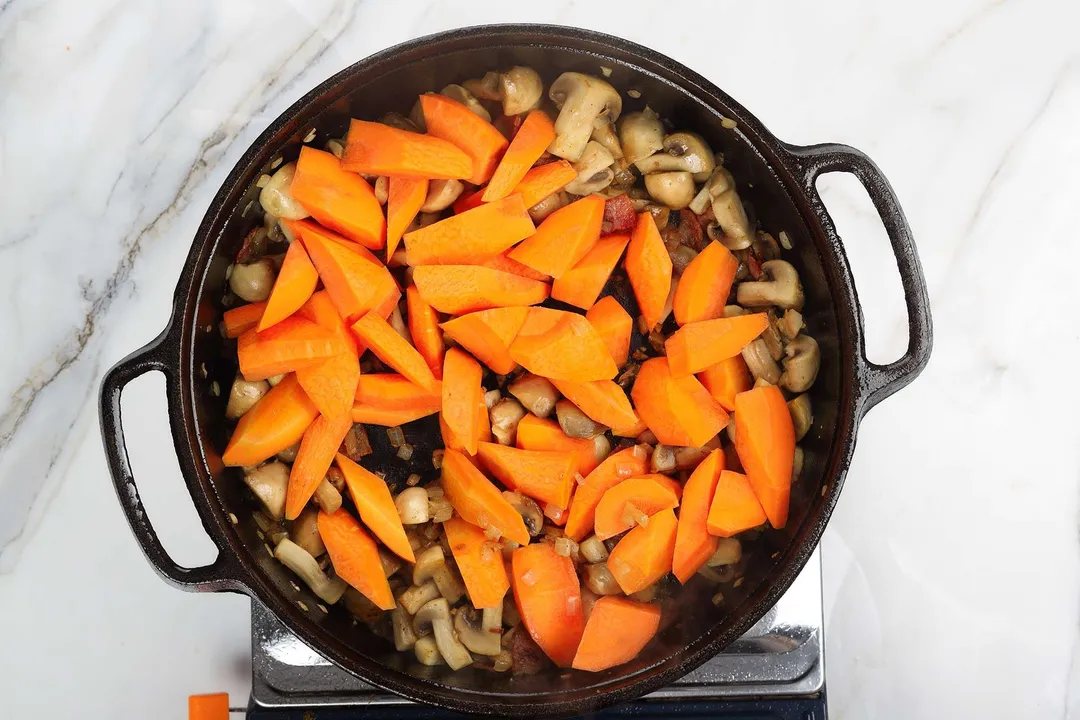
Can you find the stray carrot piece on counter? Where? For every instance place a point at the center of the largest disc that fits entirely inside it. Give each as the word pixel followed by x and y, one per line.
pixel 726 379
pixel 581 285
pixel 376 149
pixel 487 334
pixel 648 494
pixel 693 543
pixel 482 568
pixel 765 441
pixel 239 320
pixel 389 417
pixel 562 345
pixel 536 433
pixel 341 200
pixel 616 468
pixel 563 238
pixel 735 507
pixel 208 707
pixel 448 119
pixel 545 180
pixel 462 400
pixel 424 330
pixel 391 391
pixel 699 345
pixel 544 475
pixel 355 557
pixel 705 285
pixel 645 554
pixel 289 345
pixel 394 350
pixel 404 199
pixel 377 510
pixel 696 411
pixel 615 327
pixel 530 142
pixel 277 421
pixel 332 383
pixel 548 596
pixel 617 630
pixel 478 501
pixel 652 400
pixel 471 237
pixel 648 266
pixel 295 283
pixel 459 289
pixel 605 402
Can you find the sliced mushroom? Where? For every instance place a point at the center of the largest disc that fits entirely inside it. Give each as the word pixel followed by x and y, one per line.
pixel 575 423
pixel 548 205
pixel 511 617
pixel 416 116
pixel 734 311
pixel 402 624
pixel 588 602
pixel 641 135
pixel 683 152
pixel 593 550
pixel 797 463
pixel 662 460
pixel 601 448
pixel 480 632
pixel 529 511
pixel 327 497
pixel 412 506
pixel 731 217
pixel 802 415
pixel 414 597
pixel 399 121
pixel 791 324
pixel 801 364
pixel 772 338
pixel 600 580
pixel 594 170
pixel 254 281
pixel 449 582
pixel 435 615
pixel 382 189
pixel 427 563
pixel 243 395
pixel 537 394
pixel 275 379
pixel 427 651
pixel 604 133
pixel 505 416
pixel 275 197
pixel 305 532
pixel 581 99
pixel 760 362
pixel 728 552
pixel 673 189
pixel 623 174
pixel 646 595
pixel 289 454
pixel 466 98
pixel 307 568
pixel 779 285
pixel 521 89
pixel 485 88
pixel 441 195
pixel 681 257
pixel 270 482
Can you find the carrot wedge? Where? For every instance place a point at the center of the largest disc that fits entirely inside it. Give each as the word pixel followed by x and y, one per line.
pixel 295 283
pixel 376 149
pixel 616 468
pixel 277 421
pixel 377 510
pixel 705 285
pixel 404 199
pixel 448 119
pixel 289 345
pixel 341 200
pixel 393 349
pixel 473 236
pixel 581 285
pixel 563 238
pixel 317 449
pixel 506 264
pixel 546 476
pixel 424 330
pixel 617 630
pixel 391 391
pixel 530 142
pixel 458 289
pixel 605 402
pixel 320 309
pixel 649 494
pixel 389 417
pixel 355 557
pixel 765 442
pixel 693 543
pixel 332 383
pixel 487 334
pixel 648 266
pixel 652 400
pixel 462 400
pixel 478 501
pixel 239 320
pixel 699 345
pixel 735 507
pixel 725 380
pixel 540 434
pixel 563 346
pixel 482 569
pixel 544 180
pixel 548 596
pixel 696 411
pixel 645 554
pixel 615 327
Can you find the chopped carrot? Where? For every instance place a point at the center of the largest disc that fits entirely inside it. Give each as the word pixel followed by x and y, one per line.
pixel 448 119
pixel 295 283
pixel 705 285
pixel 581 285
pixel 667 481
pixel 471 237
pixel 480 562
pixel 377 510
pixel 548 596
pixel 320 309
pixel 545 180
pixel 376 149
pixel 558 515
pixel 618 629
pixel 696 346
pixel 544 475
pixel 616 468
pixel 646 493
pixel 468 201
pixel 505 263
pixel 696 411
pixel 530 142
pixel 725 380
pixel 535 433
pixel 239 320
pixel 568 349
pixel 614 325
pixel 339 199
pixel 605 402
pixel 290 344
pixel 317 449
pixel 277 421
pixel 735 507
pixel 652 401
pixel 693 543
pixel 393 349
pixel 645 554
pixel 765 441
pixel 478 501
pixel 648 266
pixel 458 289
pixel 404 199
pixel 487 334
pixel 355 557
pixel 563 238
pixel 462 394
pixel 208 707
pixel 396 392
pixel 332 383
pixel 389 417
pixel 424 330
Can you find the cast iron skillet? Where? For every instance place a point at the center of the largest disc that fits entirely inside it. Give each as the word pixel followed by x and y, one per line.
pixel 776 179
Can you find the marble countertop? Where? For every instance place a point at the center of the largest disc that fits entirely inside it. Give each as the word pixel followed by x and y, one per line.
pixel 951 568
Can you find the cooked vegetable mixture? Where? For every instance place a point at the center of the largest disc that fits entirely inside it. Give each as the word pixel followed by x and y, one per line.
pixel 614 353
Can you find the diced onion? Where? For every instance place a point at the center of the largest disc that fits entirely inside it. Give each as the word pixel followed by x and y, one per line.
pixel 529 578
pixel 413 480
pixel 565 546
pixel 717 599
pixel 579 478
pixel 573 604
pixel 632 515
pixel 491 397
pixel 785 240
pixel 436 458
pixel 623 470
pixel 405 452
pixel 397 437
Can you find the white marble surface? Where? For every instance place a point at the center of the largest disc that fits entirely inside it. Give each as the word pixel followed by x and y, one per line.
pixel 951 566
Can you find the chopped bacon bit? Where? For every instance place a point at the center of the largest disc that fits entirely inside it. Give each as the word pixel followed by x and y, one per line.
pixel 754 266
pixel 619 214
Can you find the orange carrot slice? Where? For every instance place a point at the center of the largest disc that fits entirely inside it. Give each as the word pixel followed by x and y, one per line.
pixel 617 630
pixel 558 515
pixel 355 557
pixel 765 441
pixel 478 501
pixel 396 392
pixel 725 380
pixel 506 264
pixel 582 284
pixel 563 238
pixel 462 395
pixel 540 434
pixel 653 403
pixel 647 493
pixel 332 383
pixel 570 349
pixel 424 330
pixel 543 475
pixel 645 554
pixel 473 236
pixel 404 199
pixel 487 334
pixel 377 510
pixel 696 411
pixel 317 449
pixel 277 421
pixel 615 327
pixel 735 507
pixel 648 266
pixel 213 706
pixel 545 180
pixel 616 468
pixel 289 345
pixel 376 149
pixel 394 350
pixel 468 201
pixel 448 119
pixel 530 142
pixel 705 285
pixel 693 543
pixel 389 417
pixel 548 596
pixel 339 199
pixel 458 289
pixel 239 320
pixel 605 402
pixel 320 309
pixel 295 283
pixel 696 346
pixel 480 562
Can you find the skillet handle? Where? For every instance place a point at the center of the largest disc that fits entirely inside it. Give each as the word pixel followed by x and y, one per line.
pixel 879 381
pixel 209 578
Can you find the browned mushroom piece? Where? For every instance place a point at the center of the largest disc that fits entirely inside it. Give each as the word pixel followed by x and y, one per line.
pixel 581 99
pixel 466 98
pixel 521 89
